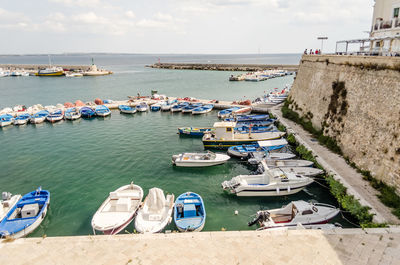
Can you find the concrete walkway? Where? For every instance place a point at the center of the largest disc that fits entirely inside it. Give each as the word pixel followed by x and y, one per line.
pixel 336 165
pixel 340 246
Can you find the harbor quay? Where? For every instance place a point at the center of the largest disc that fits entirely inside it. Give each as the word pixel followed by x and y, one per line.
pixel 36 67
pixel 224 67
pixel 297 247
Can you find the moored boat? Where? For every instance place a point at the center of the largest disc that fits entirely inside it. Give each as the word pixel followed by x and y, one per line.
pixel 118 210
pixel 155 213
pixel 55 116
pixel 155 107
pixel 6 119
pixel 142 107
pixel 22 119
pixel 127 109
pixel 51 71
pixel 102 111
pixel 189 212
pixel 199 159
pixel 222 114
pixel 274 163
pixel 87 112
pixel 193 131
pixel 259 147
pixel 39 117
pixel 248 118
pixel 189 108
pixel 7 203
pixel 203 109
pixel 304 171
pixel 294 213
pixel 177 107
pixel 72 114
pixel 26 215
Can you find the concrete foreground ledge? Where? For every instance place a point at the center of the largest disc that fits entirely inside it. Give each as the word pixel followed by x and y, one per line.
pixel 338 246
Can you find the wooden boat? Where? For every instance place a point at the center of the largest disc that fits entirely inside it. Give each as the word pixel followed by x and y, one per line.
pixel 87 112
pixel 192 131
pixel 126 109
pixel 72 114
pixel 296 212
pixel 305 171
pixel 155 107
pixel 6 119
pixel 269 182
pixel 39 117
pixel 166 105
pixel 7 203
pixel 142 107
pixel 55 116
pixel 274 163
pixel 222 114
pixel 155 214
pixel 199 159
pixel 260 147
pixel 178 107
pixel 248 118
pixel 242 111
pixel 189 212
pixel 255 129
pixel 22 119
pixel 203 109
pixel 189 108
pixel 26 215
pixel 118 210
pixel 256 157
pixel 102 111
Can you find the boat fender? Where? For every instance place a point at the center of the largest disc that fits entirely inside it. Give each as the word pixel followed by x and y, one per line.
pixel 315 209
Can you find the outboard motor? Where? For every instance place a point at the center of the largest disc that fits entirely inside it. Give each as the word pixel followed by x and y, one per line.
pixel 179 209
pixel 261 216
pixel 5 196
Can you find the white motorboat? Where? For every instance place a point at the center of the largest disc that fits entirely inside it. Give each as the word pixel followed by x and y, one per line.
pixel 296 212
pixel 273 163
pixel 118 210
pixel 142 107
pixel 304 171
pixel 7 203
pixel 270 182
pixel 199 159
pixel 155 214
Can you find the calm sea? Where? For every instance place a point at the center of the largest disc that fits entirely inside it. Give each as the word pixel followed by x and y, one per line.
pixel 81 162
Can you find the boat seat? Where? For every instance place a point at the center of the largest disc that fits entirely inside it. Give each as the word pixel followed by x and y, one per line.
pixel 155 217
pixel 123 205
pixel 116 195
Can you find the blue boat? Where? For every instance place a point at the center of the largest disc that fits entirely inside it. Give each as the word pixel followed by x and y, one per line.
pixel 189 212
pixel 203 109
pixel 22 119
pixel 259 147
pixel 193 131
pixel 255 129
pixel 255 123
pixel 127 109
pixel 6 119
pixel 179 107
pixel 155 107
pixel 102 111
pixel 224 113
pixel 26 215
pixel 87 112
pixel 189 108
pixel 39 116
pixel 253 117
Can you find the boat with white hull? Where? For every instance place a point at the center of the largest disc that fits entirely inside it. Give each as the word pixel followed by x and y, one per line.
pixel 22 119
pixel 274 163
pixel 8 201
pixel 304 171
pixel 271 182
pixel 39 117
pixel 199 159
pixel 261 147
pixel 142 107
pixel 102 111
pixel 127 109
pixel 6 120
pixel 296 212
pixel 118 210
pixel 72 114
pixel 155 214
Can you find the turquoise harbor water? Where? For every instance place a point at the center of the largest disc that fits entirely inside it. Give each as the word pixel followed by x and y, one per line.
pixel 80 162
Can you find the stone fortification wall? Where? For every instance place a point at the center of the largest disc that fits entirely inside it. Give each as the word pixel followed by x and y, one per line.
pixel 356 101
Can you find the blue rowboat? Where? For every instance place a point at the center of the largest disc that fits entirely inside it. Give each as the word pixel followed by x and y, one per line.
pixel 255 129
pixel 192 131
pixel 102 111
pixel 126 109
pixel 55 116
pixel 254 117
pixel 22 119
pixel 155 107
pixel 6 119
pixel 224 113
pixel 87 112
pixel 255 123
pixel 142 107
pixel 26 215
pixel 72 114
pixel 189 212
pixel 259 147
pixel 179 107
pixel 39 116
pixel 203 109
pixel 189 108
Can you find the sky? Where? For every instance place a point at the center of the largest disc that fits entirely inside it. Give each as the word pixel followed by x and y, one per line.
pixel 179 26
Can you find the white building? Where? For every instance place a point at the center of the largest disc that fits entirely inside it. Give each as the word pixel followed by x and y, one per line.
pixel 385 32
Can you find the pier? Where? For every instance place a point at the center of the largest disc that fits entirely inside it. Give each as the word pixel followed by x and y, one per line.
pixel 36 67
pixel 224 67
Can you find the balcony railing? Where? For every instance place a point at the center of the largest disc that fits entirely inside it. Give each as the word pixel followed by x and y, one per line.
pixel 387 24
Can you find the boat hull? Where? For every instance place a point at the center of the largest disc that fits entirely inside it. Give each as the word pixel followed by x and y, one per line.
pixel 20 122
pixel 59 73
pixel 37 120
pixel 272 192
pixel 132 111
pixel 118 229
pixel 198 164
pixel 5 123
pixel 225 144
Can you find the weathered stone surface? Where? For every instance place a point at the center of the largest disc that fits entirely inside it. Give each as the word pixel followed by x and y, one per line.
pixel 364 116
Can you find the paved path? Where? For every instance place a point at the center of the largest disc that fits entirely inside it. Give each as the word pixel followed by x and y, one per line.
pixel 347 175
pixel 341 246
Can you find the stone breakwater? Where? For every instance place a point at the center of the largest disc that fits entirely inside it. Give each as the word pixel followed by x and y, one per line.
pixel 354 100
pixel 224 67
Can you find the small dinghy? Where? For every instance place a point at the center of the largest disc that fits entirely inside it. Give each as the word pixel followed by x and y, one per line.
pixel 155 107
pixel 118 210
pixel 8 201
pixel 155 214
pixel 199 159
pixel 26 215
pixel 203 109
pixel 87 112
pixel 142 107
pixel 22 119
pixel 222 114
pixel 192 131
pixel 189 212
pixel 296 212
pixel 55 116
pixel 305 171
pixel 126 109
pixel 260 147
pixel 39 117
pixel 189 108
pixel 72 114
pixel 273 163
pixel 269 182
pixel 102 111
pixel 178 107
pixel 6 119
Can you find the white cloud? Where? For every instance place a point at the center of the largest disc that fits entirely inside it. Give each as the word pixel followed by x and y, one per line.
pixel 81 3
pixel 130 14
